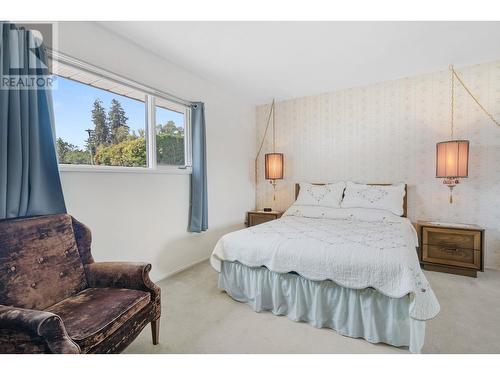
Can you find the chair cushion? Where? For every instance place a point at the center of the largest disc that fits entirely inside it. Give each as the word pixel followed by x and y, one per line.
pixel 39 261
pixel 95 313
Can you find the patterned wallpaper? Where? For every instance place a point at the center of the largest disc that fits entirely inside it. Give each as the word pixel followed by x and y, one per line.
pixel 387 132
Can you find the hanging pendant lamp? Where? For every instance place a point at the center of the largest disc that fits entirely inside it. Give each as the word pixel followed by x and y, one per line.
pixel 274 161
pixel 452 156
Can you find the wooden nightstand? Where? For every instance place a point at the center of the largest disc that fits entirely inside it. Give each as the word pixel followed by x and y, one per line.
pixel 451 248
pixel 259 217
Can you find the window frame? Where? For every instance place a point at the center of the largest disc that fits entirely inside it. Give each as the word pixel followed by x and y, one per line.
pixel 168 102
pixel 151 132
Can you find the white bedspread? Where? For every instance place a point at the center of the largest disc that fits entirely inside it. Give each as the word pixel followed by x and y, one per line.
pixel 355 248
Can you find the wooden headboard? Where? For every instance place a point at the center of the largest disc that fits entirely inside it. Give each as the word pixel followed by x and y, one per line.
pixel 405 213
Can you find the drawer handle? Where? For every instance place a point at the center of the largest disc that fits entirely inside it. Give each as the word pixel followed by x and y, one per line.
pixel 450 250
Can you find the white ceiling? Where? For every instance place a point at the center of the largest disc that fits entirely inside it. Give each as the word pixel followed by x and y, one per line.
pixel 262 60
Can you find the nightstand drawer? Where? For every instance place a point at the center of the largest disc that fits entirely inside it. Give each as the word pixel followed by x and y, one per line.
pixel 453 238
pixel 452 255
pixel 452 248
pixel 256 219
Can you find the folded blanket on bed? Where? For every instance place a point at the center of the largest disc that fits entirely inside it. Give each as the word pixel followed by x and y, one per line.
pixel 355 248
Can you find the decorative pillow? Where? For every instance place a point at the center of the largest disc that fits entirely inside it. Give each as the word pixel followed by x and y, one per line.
pixel 311 211
pixel 389 197
pixel 362 214
pixel 328 195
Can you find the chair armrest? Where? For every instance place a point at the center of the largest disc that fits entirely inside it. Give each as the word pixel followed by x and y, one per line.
pixel 43 324
pixel 126 275
pixel 83 238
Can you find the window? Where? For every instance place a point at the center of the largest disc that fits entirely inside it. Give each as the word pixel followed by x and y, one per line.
pixel 170 135
pixel 101 123
pixel 98 127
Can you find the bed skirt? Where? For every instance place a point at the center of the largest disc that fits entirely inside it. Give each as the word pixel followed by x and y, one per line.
pixel 355 313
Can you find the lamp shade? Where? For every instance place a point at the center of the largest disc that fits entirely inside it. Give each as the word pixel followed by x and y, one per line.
pixel 274 166
pixel 452 159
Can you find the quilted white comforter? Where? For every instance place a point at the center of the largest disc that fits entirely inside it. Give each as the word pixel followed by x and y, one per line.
pixel 355 248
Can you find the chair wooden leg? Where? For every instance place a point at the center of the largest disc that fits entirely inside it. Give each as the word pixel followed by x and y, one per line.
pixel 155 331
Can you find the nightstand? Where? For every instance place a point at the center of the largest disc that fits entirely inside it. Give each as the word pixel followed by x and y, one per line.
pixel 451 248
pixel 259 217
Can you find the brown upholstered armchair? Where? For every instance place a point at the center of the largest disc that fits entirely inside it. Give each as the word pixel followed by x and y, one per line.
pixel 55 299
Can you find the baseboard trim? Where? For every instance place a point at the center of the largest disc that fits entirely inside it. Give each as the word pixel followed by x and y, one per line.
pixel 183 268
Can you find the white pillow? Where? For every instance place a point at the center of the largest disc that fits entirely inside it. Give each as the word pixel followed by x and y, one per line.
pixel 388 197
pixel 328 195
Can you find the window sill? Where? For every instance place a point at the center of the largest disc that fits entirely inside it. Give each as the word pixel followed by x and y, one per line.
pixel 64 168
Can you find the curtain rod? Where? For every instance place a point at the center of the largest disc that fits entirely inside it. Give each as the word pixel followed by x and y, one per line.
pixel 106 74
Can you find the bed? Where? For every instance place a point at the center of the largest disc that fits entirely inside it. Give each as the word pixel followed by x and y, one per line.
pixel 336 265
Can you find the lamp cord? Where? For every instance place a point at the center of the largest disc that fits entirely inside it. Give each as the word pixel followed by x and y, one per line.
pixel 274 129
pixel 271 112
pixel 452 99
pixel 454 75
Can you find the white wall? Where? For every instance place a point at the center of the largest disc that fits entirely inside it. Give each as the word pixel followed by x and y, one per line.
pixel 387 132
pixel 143 217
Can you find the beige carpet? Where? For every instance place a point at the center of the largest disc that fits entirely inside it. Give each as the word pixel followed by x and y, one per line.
pixel 198 318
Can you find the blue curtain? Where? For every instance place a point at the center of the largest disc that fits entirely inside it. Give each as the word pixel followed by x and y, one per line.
pixel 198 218
pixel 29 177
